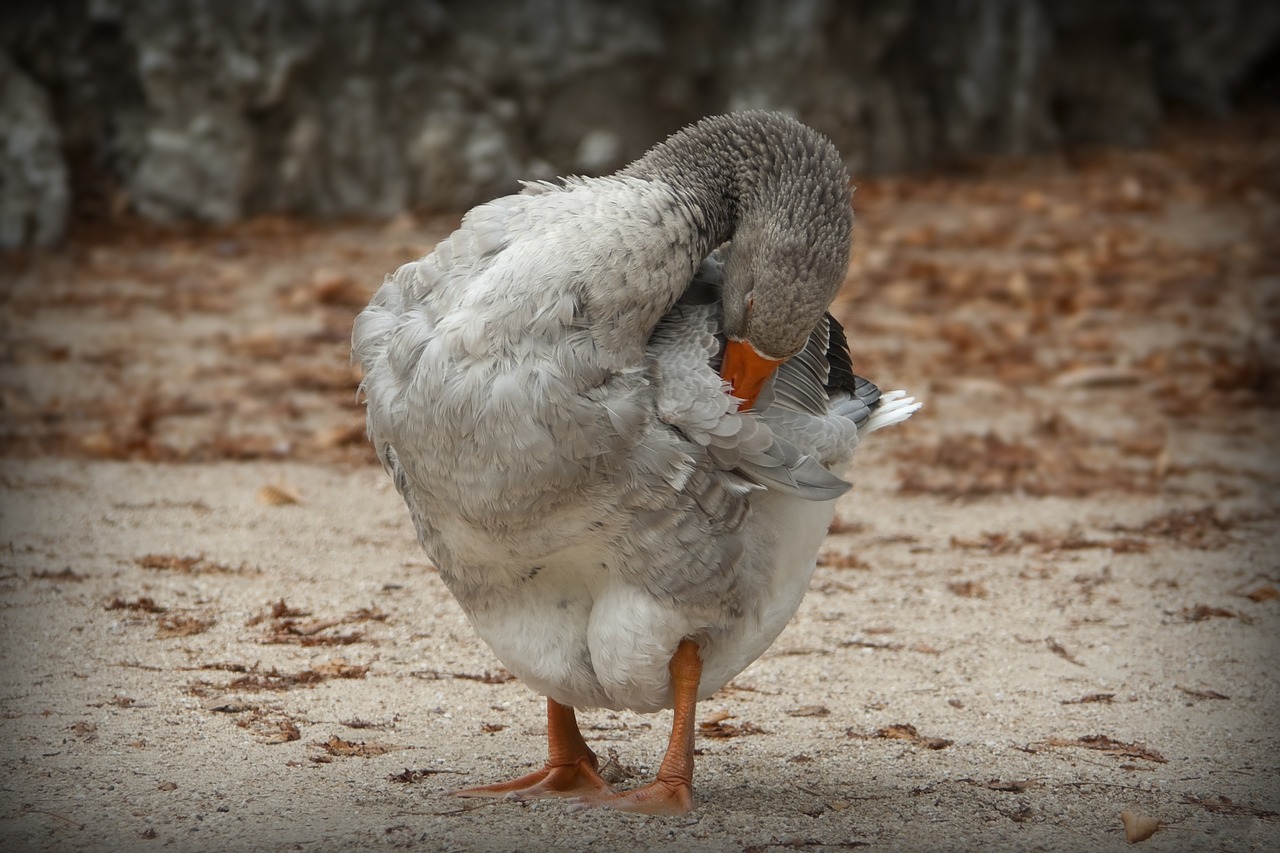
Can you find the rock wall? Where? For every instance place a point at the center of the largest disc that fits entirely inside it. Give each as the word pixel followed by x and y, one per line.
pixel 211 110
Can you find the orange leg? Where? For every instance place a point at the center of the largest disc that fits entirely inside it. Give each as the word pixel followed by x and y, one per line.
pixel 671 792
pixel 570 769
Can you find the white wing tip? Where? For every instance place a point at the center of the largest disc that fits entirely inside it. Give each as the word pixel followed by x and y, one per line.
pixel 895 407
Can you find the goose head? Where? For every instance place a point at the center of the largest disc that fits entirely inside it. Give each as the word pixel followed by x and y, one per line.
pixel 779 192
pixel 780 275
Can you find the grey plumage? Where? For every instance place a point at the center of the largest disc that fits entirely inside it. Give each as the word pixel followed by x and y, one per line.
pixel 543 389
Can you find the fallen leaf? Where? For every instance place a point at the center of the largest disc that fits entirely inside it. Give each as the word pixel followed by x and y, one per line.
pixel 187 565
pixel 339 668
pixel 1092 697
pixel 836 560
pixel 66 574
pixel 809 711
pixel 1102 743
pixel 1061 651
pixel 146 604
pixel 224 705
pixel 1138 827
pixel 1201 694
pixel 409 777
pixel 1265 593
pixel 903 731
pixel 715 726
pixel 501 676
pixel 272 495
pixel 182 625
pixel 1201 612
pixel 1099 377
pixel 968 589
pixel 336 746
pixel 1224 805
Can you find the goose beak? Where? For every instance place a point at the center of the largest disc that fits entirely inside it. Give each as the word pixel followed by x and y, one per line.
pixel 746 371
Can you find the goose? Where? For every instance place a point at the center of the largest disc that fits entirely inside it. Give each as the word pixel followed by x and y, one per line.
pixel 617 411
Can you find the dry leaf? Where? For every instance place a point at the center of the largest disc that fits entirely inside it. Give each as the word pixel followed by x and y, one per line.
pixel 809 711
pixel 409 777
pixel 339 668
pixel 1061 651
pixel 1102 743
pixel 1201 694
pixel 841 561
pixel 225 705
pixel 903 731
pixel 180 625
pixel 715 726
pixel 191 565
pixel 1099 377
pixel 336 746
pixel 1224 805
pixel 1201 612
pixel 968 589
pixel 146 604
pixel 1265 593
pixel 1138 827
pixel 272 495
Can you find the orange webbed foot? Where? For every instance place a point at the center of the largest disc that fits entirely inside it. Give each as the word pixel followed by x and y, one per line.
pixel 579 779
pixel 660 797
pixel 570 771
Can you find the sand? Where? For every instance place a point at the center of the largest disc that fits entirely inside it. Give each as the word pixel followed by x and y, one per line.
pixel 1051 598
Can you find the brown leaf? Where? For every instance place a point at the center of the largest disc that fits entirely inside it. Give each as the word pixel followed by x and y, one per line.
pixel 1102 743
pixel 277 495
pixel 1092 697
pixel 1201 612
pixel 500 676
pixel 67 574
pixel 903 731
pixel 339 668
pixel 227 705
pixel 273 679
pixel 1061 651
pixel 1106 376
pixel 1201 694
pixel 338 747
pixel 196 565
pixel 715 726
pixel 1265 593
pixel 809 711
pixel 146 604
pixel 182 625
pixel 968 589
pixel 410 777
pixel 1224 805
pixel 281 731
pixel 841 561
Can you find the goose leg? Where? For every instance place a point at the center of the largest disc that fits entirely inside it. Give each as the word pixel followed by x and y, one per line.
pixel 671 792
pixel 570 769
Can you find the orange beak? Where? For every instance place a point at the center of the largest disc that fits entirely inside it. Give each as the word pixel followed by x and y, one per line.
pixel 746 371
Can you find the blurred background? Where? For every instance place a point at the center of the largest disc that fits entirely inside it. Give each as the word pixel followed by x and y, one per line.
pixel 1065 245
pixel 201 195
pixel 207 111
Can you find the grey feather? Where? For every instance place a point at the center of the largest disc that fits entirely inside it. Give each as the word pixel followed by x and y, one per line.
pixel 544 390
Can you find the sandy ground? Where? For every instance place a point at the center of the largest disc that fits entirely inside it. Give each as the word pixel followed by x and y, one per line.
pixel 1053 597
